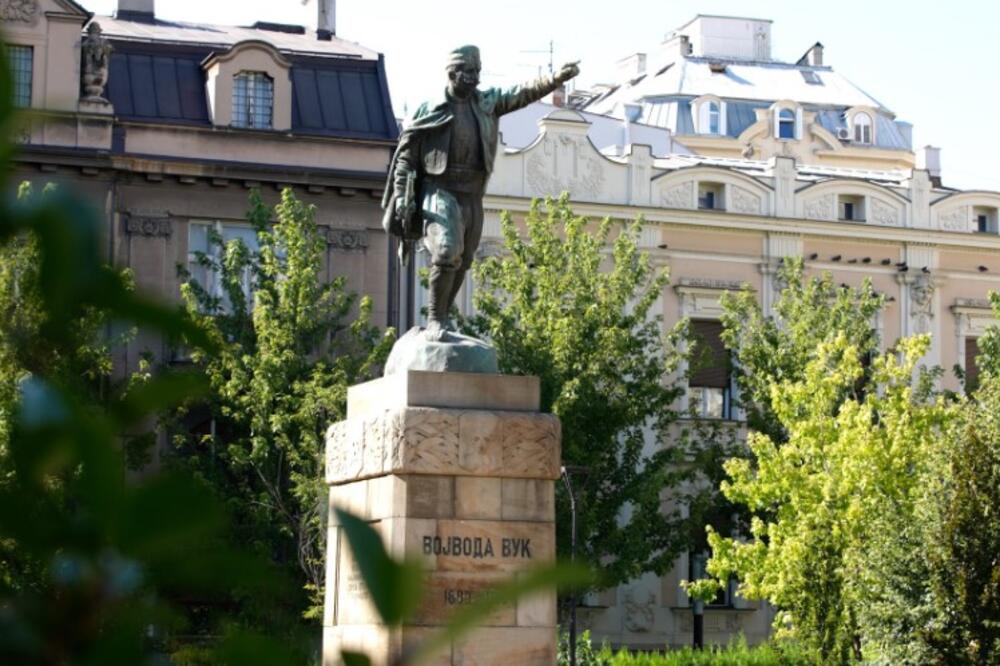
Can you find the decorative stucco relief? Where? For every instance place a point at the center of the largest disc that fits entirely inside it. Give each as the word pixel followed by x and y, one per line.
pixel 347 240
pixel 640 610
pixel 884 214
pixel 139 225
pixel 565 164
pixel 744 201
pixel 820 208
pixel 922 304
pixel 956 219
pixel 23 11
pixel 679 196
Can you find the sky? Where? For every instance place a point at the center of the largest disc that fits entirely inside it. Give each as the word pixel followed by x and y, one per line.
pixel 932 63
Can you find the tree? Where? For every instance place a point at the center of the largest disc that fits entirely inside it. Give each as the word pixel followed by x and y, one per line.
pixel 817 498
pixel 809 311
pixel 288 348
pixel 571 302
pixel 962 536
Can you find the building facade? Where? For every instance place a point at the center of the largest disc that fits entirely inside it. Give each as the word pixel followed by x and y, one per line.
pixel 165 127
pixel 736 161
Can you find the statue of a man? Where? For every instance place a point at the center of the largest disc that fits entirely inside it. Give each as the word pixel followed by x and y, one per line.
pixel 440 170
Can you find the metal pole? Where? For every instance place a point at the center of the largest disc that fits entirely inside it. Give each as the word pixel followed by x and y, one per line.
pixel 572 558
pixel 698 607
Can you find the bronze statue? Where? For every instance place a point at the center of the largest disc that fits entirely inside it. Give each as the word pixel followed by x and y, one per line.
pixel 440 170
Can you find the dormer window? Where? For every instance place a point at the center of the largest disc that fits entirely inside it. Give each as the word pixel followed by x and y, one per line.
pixel 985 219
pixel 714 118
pixel 786 124
pixel 862 123
pixel 710 196
pixel 711 115
pixel 852 208
pixel 253 100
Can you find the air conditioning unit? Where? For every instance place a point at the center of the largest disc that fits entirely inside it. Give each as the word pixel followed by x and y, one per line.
pixel 844 134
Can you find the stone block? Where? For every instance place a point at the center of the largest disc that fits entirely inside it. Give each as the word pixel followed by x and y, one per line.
pixel 444 442
pixel 528 499
pixel 491 646
pixel 413 637
pixel 477 497
pixel 429 496
pixel 505 547
pixel 350 497
pixel 447 593
pixel 330 587
pixel 537 610
pixel 451 390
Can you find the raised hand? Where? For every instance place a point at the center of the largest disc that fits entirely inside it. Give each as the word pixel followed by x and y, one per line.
pixel 568 71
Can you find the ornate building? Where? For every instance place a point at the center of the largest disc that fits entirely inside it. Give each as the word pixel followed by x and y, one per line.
pixel 737 161
pixel 166 127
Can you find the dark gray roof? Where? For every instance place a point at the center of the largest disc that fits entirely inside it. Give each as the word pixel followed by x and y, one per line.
pixel 331 96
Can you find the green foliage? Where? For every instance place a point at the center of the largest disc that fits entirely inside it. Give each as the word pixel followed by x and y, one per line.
pixel 809 311
pixel 962 538
pixel 281 363
pixel 819 495
pixel 572 302
pixel 737 653
pixel 97 563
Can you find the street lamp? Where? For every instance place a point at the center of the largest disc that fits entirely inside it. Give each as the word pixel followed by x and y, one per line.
pixel 566 471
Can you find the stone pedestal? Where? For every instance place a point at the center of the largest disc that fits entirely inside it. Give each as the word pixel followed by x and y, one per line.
pixel 458 470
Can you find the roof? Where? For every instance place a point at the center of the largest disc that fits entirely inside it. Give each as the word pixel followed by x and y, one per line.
pixel 742 80
pixel 216 36
pixel 804 172
pixel 156 75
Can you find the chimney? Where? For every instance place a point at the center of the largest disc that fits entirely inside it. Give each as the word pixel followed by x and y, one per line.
pixel 813 57
pixel 929 159
pixel 136 10
pixel 559 97
pixel 326 19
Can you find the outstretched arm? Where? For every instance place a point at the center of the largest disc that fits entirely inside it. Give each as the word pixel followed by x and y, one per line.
pixel 521 96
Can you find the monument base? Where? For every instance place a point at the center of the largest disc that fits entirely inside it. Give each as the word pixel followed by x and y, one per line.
pixel 455 353
pixel 457 470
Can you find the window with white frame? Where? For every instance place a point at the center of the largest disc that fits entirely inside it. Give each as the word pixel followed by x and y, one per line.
pixel 22 66
pixel 971 368
pixel 862 123
pixel 711 117
pixel 253 100
pixel 709 382
pixel 206 244
pixel 786 123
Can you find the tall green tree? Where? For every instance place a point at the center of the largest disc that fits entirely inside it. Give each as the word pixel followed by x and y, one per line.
pixel 571 301
pixel 289 344
pixel 817 497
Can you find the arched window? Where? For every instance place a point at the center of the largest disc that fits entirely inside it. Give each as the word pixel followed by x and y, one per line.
pixel 862 128
pixel 714 118
pixel 253 100
pixel 786 124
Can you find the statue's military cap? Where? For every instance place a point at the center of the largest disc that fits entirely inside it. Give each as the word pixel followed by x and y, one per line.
pixel 464 55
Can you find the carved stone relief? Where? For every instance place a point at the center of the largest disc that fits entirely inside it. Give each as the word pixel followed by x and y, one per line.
pixel 956 219
pixel 679 196
pixel 347 240
pixel 137 225
pixel 922 304
pixel 820 208
pixel 744 201
pixel 640 610
pixel 565 164
pixel 884 214
pixel 23 11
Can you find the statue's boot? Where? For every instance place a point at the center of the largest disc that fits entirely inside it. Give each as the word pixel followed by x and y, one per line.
pixel 456 286
pixel 441 280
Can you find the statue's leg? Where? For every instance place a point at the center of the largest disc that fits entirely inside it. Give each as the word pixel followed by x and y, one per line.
pixel 445 244
pixel 472 215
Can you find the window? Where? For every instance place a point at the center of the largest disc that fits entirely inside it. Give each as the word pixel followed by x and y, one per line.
pixel 253 100
pixel 696 571
pixel 203 242
pixel 713 118
pixel 709 394
pixel 852 208
pixel 710 196
pixel 862 123
pixel 786 124
pixel 811 77
pixel 21 63
pixel 971 369
pixel 985 219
